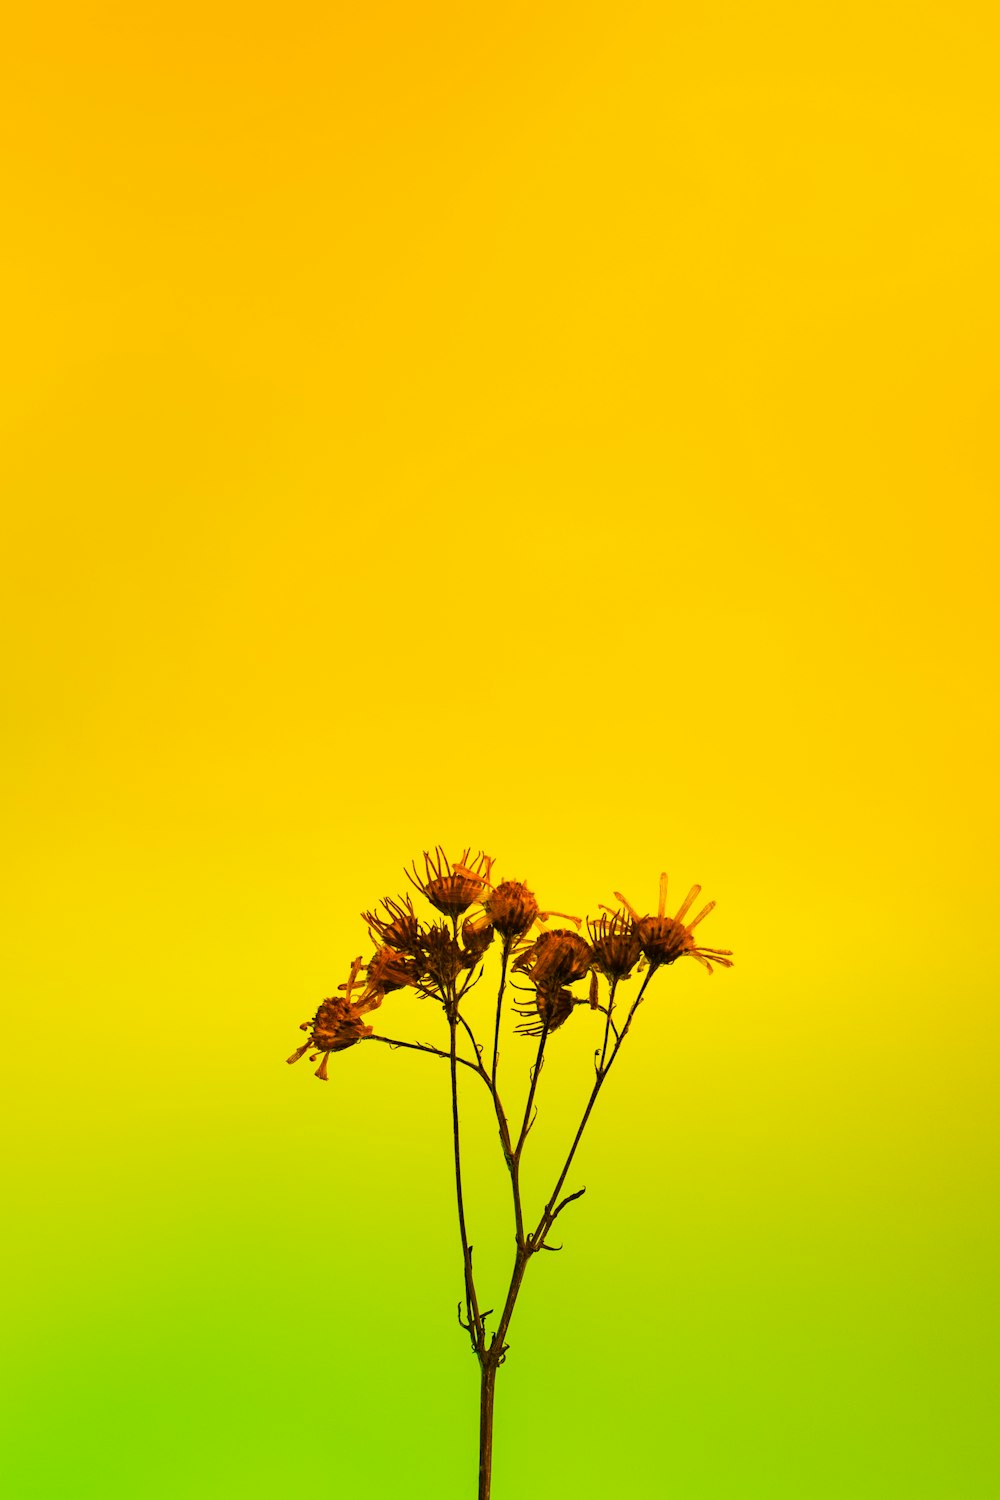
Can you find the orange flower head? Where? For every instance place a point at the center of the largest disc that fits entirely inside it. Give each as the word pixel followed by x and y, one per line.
pixel 664 939
pixel 337 1024
pixel 555 958
pixel 452 888
pixel 616 945
pixel 512 908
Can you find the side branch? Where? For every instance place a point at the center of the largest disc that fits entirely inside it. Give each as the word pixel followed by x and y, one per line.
pixel 393 1042
pixel 529 1244
pixel 537 1240
pixel 496 1030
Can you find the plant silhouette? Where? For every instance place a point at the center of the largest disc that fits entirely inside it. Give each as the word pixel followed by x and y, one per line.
pixel 442 959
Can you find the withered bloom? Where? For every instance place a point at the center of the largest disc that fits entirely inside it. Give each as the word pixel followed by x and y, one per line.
pixel 512 908
pixel 553 1005
pixel 452 888
pixel 337 1024
pixel 389 970
pixel 399 929
pixel 664 939
pixel 477 935
pixel 441 957
pixel 555 958
pixel 616 945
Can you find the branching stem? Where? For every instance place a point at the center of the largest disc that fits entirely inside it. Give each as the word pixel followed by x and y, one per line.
pixel 391 1041
pixel 491 1355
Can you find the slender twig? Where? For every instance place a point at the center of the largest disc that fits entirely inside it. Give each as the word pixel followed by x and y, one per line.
pixel 477 1049
pixel 514 1156
pixel 608 1024
pixel 525 1126
pixel 496 1031
pixel 536 1241
pixel 545 1222
pixel 470 983
pixel 502 1122
pixel 471 1302
pixel 450 1000
pixel 421 1047
pixel 604 1012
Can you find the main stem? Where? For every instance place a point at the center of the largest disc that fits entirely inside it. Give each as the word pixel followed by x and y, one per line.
pixel 487 1385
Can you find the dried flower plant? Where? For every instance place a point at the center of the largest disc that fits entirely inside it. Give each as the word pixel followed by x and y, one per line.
pixel 442 960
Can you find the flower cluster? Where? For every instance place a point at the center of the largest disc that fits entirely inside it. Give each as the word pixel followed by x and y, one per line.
pixel 438 958
pixel 432 957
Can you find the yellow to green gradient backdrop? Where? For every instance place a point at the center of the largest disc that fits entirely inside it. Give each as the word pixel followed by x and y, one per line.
pixel 568 430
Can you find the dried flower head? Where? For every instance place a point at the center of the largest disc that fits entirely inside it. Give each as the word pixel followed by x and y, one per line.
pixel 555 958
pixel 399 928
pixel 664 939
pixel 477 935
pixel 553 1005
pixel 441 957
pixel 616 945
pixel 337 1024
pixel 512 908
pixel 452 888
pixel 389 970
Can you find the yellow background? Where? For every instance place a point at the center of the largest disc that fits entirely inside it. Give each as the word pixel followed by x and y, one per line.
pixel 564 429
